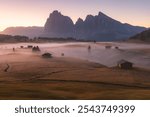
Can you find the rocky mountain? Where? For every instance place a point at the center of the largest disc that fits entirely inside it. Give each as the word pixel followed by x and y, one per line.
pixel 103 28
pixel 100 27
pixel 26 31
pixel 142 37
pixel 58 25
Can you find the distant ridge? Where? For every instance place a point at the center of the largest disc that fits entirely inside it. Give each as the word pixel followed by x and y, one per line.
pixel 32 31
pixel 100 27
pixel 143 36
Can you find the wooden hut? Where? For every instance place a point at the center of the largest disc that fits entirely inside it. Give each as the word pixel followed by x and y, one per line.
pixel 108 47
pixel 47 55
pixel 116 47
pixel 62 54
pixel 123 64
pixel 21 46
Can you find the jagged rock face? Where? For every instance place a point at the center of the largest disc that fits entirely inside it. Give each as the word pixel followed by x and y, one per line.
pixel 79 29
pixel 102 27
pixel 79 24
pixel 57 24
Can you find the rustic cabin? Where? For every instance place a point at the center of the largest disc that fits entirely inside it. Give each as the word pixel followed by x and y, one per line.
pixel 108 47
pixel 47 55
pixel 123 64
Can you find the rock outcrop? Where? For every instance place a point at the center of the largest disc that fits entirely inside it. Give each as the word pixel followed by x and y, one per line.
pixel 58 25
pixel 103 28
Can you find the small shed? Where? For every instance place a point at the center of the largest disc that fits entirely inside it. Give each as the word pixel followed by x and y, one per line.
pixel 62 54
pixel 108 47
pixel 21 46
pixel 116 47
pixel 123 64
pixel 47 55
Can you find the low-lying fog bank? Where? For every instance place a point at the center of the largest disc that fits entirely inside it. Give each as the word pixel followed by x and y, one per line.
pixel 138 54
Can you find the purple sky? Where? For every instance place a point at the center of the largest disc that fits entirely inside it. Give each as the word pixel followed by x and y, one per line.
pixel 35 12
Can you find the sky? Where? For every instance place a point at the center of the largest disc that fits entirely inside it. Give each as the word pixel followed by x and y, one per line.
pixel 35 12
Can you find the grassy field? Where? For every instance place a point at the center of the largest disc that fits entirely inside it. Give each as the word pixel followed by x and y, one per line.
pixel 32 77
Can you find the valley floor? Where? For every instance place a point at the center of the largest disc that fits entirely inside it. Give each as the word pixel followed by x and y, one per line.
pixel 30 76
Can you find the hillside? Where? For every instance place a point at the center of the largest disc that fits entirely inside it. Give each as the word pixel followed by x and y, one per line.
pixel 27 31
pixel 143 36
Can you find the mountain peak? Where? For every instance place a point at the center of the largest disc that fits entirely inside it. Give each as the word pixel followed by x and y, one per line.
pixel 55 13
pixel 58 24
pixel 98 27
pixel 80 20
pixel 89 16
pixel 101 13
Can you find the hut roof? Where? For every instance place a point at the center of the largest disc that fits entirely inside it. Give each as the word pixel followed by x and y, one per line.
pixel 123 61
pixel 47 55
pixel 108 46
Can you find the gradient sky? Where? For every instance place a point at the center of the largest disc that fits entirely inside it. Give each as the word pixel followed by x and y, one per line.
pixel 35 12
